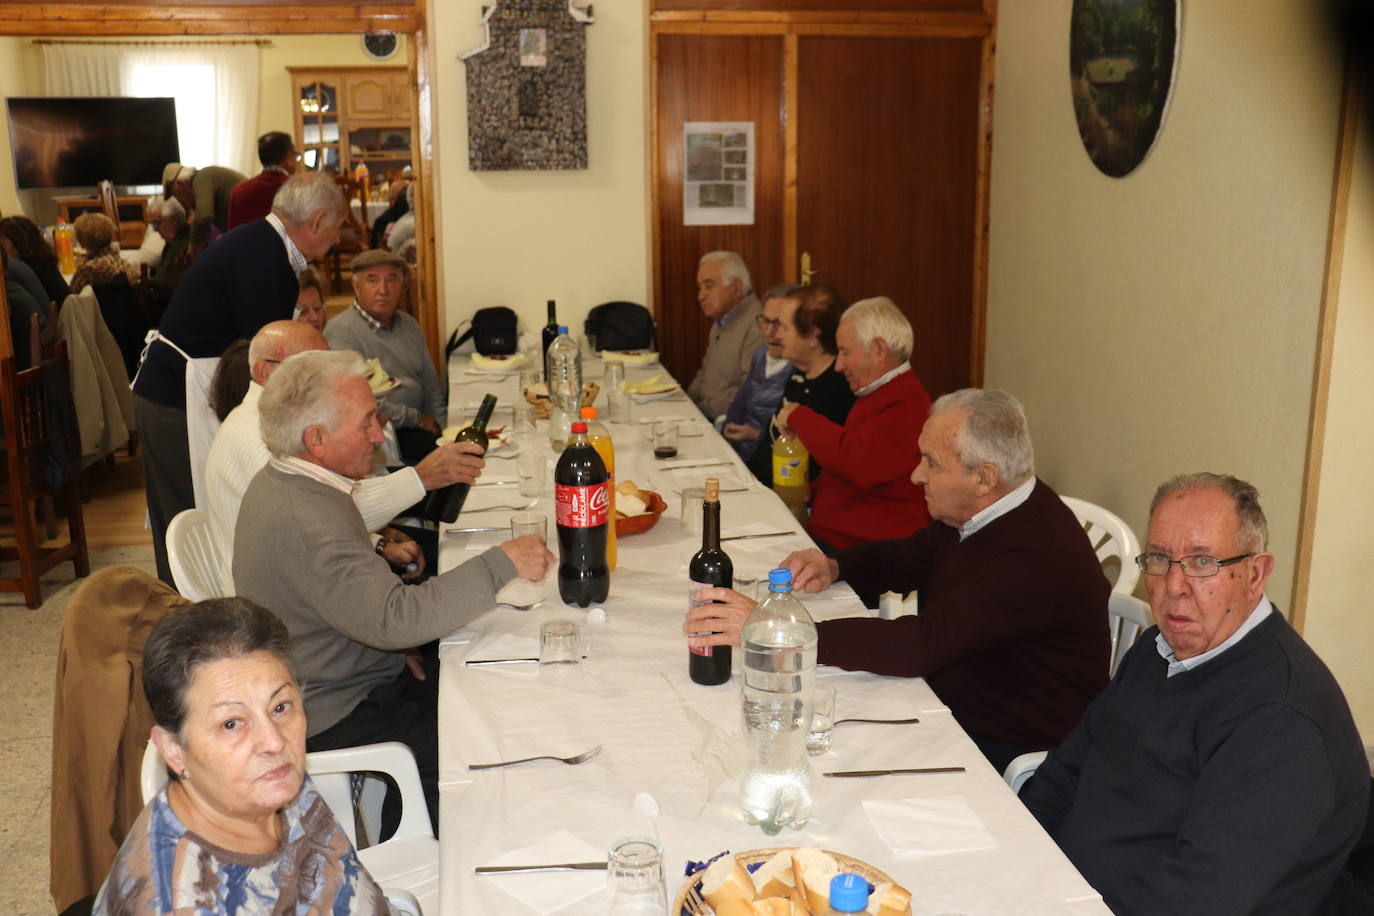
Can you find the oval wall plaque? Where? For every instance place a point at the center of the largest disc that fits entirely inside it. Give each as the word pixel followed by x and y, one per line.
pixel 1122 55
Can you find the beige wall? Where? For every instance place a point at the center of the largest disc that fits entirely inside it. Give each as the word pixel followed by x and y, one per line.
pixel 1339 625
pixel 12 82
pixel 1166 322
pixel 521 238
pixel 274 98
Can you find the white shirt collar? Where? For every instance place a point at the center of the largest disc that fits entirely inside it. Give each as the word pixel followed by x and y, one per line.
pixel 293 464
pixel 998 509
pixel 1179 665
pixel 276 168
pixel 773 366
pixel 293 254
pixel 882 380
pixel 372 323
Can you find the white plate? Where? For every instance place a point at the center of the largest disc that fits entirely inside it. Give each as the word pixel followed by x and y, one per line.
pixel 657 396
pixel 504 446
pixel 513 363
pixel 630 357
pixel 386 387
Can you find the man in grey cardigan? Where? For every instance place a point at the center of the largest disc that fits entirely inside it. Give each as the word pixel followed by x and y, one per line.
pixel 375 327
pixel 727 298
pixel 302 550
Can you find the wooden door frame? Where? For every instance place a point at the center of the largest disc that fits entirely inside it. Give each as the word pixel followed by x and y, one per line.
pixel 792 25
pixel 298 17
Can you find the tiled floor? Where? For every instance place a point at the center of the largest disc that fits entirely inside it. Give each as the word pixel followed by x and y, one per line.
pixel 28 659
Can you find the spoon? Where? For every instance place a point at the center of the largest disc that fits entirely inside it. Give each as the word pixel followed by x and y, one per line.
pixel 647 807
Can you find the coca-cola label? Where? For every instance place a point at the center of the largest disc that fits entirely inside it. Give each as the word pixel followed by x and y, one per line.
pixel 581 507
pixel 692 603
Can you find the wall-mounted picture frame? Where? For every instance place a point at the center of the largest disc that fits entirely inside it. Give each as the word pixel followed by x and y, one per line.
pixel 1123 56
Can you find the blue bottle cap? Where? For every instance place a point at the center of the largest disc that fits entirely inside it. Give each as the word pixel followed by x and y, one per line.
pixel 780 580
pixel 562 329
pixel 848 893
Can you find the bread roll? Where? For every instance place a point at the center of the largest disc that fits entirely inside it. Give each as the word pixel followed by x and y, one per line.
pixel 774 878
pixel 812 869
pixel 735 908
pixel 773 906
pixel 889 900
pixel 725 882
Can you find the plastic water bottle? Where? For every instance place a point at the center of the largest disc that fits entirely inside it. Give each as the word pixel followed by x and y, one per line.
pixel 779 642
pixel 563 369
pixel 848 894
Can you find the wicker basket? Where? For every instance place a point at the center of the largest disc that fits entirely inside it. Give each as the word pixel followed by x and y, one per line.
pixel 759 856
pixel 638 524
pixel 543 407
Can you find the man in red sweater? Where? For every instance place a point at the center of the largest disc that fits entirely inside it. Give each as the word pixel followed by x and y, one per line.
pixel 864 492
pixel 252 199
pixel 1012 630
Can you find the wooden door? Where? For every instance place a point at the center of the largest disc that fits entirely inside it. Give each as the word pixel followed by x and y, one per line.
pixel 401 90
pixel 887 155
pixel 713 78
pixel 873 131
pixel 369 97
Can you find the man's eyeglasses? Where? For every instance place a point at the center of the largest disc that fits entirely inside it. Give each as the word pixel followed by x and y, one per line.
pixel 767 324
pixel 1196 567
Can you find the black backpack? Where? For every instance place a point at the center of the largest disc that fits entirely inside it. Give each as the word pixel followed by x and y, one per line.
pixel 620 326
pixel 493 328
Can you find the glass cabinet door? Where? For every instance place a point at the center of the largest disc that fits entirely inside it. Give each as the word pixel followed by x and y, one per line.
pixel 319 103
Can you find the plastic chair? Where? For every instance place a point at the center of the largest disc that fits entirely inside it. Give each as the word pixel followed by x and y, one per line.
pixel 407 864
pixel 1127 618
pixel 1110 537
pixel 1023 768
pixel 194 556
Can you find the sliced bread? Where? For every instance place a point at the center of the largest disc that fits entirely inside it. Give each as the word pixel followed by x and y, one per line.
pixel 727 882
pixel 812 869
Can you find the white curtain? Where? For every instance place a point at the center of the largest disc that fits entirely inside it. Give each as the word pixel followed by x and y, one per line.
pixel 215 87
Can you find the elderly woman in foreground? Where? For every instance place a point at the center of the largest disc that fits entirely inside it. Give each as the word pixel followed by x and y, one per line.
pixel 239 828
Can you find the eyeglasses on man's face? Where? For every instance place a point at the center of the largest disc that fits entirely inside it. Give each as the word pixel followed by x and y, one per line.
pixel 1199 566
pixel 767 324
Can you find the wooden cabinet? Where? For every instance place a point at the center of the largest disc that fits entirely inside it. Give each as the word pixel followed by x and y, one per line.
pixel 346 116
pixel 133 216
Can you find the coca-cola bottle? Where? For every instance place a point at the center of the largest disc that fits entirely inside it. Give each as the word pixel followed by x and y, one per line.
pixel 710 568
pixel 444 504
pixel 582 503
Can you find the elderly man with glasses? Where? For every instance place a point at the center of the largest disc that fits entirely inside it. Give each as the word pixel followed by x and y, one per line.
pixel 1221 771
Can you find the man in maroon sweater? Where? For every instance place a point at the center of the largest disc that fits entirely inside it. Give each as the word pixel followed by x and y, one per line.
pixel 252 199
pixel 865 492
pixel 1012 630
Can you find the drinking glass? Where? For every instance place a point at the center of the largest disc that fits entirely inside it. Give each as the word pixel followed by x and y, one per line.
pixel 560 651
pixel 617 398
pixel 822 719
pixel 634 869
pixel 522 419
pixel 665 439
pixel 532 466
pixel 692 498
pixel 523 523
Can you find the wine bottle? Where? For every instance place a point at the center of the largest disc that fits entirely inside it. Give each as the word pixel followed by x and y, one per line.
pixel 444 504
pixel 710 568
pixel 550 333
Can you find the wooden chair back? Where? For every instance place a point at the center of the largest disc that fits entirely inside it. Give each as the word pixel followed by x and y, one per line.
pixel 109 204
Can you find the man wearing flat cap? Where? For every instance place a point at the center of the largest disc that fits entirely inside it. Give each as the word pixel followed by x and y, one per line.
pixel 376 328
pixel 204 193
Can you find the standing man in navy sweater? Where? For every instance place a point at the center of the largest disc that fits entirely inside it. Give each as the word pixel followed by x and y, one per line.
pixel 243 281
pixel 1220 771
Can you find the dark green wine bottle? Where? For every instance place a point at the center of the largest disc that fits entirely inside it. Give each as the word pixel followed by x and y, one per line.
pixel 444 504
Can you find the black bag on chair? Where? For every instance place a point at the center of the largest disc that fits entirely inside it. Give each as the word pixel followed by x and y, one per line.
pixel 494 330
pixel 620 326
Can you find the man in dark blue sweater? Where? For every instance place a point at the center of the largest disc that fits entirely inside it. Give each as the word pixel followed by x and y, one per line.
pixel 244 280
pixel 1220 771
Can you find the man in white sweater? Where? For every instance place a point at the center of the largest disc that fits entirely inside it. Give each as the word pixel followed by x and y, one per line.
pixel 238 453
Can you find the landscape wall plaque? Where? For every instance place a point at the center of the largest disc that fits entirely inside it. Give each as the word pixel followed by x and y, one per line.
pixel 527 87
pixel 1122 56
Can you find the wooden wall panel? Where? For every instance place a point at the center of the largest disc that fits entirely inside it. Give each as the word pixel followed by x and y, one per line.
pixel 713 78
pixel 887 154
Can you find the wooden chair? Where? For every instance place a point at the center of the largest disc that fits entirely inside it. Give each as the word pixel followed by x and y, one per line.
pixel 109 204
pixel 355 236
pixel 23 403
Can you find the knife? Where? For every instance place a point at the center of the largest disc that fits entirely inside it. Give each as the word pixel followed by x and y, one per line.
pixel 474 530
pixel 516 869
pixel 895 772
pixel 704 464
pixel 503 661
pixel 771 534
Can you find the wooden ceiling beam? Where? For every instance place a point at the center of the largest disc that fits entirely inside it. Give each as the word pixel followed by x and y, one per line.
pixel 151 19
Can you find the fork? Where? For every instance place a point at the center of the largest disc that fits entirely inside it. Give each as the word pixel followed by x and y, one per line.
pixel 570 761
pixel 695 904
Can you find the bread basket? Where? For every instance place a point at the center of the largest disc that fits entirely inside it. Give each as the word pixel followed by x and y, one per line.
pixel 754 857
pixel 638 524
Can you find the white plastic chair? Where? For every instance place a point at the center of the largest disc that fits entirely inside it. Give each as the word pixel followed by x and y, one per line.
pixel 1127 618
pixel 1110 537
pixel 1023 768
pixel 406 866
pixel 194 556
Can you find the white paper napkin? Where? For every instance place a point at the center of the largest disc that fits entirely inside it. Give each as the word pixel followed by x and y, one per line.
pixel 508 645
pixel 549 892
pixel 928 826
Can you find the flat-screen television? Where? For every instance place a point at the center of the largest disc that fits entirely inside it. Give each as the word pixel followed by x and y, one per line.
pixel 71 143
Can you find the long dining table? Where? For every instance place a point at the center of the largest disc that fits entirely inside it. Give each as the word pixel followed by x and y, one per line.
pixel 960 842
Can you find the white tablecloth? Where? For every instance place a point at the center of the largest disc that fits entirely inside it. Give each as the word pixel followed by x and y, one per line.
pixel 680 741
